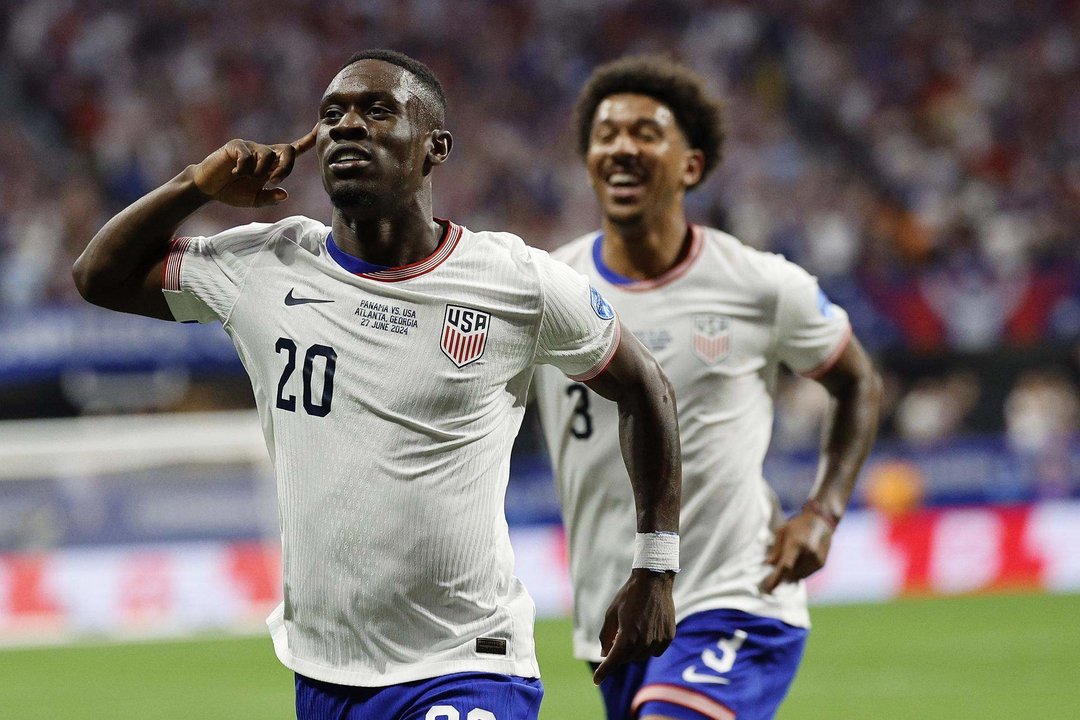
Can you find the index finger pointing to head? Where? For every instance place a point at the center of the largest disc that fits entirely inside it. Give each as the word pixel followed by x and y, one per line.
pixel 307 142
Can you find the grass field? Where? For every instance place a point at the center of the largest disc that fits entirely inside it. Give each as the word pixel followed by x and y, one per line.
pixel 981 658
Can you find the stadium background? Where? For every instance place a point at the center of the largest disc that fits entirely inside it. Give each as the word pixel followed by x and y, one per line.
pixel 922 159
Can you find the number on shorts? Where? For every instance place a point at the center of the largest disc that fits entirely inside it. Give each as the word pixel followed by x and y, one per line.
pixel 446 712
pixel 719 664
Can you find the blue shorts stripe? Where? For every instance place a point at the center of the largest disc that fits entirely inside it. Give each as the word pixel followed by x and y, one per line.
pixel 447 697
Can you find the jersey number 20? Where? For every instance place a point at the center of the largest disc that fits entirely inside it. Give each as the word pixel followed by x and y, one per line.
pixel 288 402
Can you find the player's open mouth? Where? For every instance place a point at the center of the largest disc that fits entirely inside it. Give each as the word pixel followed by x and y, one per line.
pixel 349 158
pixel 624 185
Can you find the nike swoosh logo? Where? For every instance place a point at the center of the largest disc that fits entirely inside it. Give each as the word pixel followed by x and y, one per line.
pixel 691 675
pixel 291 300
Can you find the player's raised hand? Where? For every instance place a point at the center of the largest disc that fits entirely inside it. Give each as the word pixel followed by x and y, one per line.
pixel 240 171
pixel 639 623
pixel 799 551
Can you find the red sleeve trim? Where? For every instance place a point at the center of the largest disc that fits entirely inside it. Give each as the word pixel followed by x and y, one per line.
pixel 683 697
pixel 170 273
pixel 601 366
pixel 825 366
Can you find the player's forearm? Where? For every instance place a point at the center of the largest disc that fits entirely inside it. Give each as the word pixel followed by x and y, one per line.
pixel 649 436
pixel 850 428
pixel 116 261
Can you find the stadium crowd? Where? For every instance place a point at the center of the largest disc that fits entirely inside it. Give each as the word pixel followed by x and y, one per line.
pixel 921 158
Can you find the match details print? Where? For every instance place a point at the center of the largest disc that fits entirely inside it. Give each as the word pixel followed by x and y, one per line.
pixel 397 319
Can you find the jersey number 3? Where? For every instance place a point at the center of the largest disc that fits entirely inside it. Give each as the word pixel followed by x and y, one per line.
pixel 581 424
pixel 329 357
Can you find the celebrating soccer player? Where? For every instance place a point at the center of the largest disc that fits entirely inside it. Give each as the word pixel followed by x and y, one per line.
pixel 390 354
pixel 720 317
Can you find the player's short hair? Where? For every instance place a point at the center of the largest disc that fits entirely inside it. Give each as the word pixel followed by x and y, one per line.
pixel 418 69
pixel 676 86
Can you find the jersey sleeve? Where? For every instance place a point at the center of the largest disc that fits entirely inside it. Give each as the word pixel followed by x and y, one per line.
pixel 203 276
pixel 812 332
pixel 579 330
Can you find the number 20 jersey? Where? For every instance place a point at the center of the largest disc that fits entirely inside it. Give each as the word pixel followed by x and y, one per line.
pixel 390 401
pixel 720 323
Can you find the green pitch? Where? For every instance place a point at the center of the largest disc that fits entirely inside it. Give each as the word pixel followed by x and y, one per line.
pixel 985 657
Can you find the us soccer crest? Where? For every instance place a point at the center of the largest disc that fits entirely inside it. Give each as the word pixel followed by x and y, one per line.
pixel 464 334
pixel 712 337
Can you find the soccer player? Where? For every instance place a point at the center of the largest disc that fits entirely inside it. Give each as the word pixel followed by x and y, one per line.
pixel 390 355
pixel 720 317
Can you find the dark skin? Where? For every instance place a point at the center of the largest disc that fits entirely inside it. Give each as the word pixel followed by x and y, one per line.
pixel 378 138
pixel 640 166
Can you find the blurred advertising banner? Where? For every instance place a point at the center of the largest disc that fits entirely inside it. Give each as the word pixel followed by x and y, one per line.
pixel 166 589
pixel 49 341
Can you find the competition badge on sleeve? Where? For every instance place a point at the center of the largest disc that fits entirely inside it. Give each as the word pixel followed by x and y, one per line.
pixel 600 306
pixel 712 337
pixel 464 334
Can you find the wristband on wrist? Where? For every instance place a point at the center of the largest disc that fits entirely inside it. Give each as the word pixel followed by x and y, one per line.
pixel 657 551
pixel 815 507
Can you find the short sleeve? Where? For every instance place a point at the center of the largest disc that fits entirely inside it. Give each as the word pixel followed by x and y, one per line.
pixel 579 330
pixel 812 332
pixel 203 275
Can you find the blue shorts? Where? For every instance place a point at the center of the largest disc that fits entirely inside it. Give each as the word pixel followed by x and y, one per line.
pixel 722 665
pixel 461 696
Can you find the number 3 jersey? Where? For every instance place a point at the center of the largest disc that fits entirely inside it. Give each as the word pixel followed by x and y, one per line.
pixel 720 323
pixel 389 400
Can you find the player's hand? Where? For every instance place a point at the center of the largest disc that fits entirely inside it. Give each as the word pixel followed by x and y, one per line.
pixel 640 622
pixel 239 172
pixel 799 551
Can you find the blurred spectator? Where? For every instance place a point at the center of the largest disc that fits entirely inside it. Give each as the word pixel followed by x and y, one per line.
pixel 935 408
pixel 921 158
pixel 1042 412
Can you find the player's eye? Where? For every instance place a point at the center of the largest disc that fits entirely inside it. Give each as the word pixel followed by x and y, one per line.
pixel 648 133
pixel 378 111
pixel 603 135
pixel 332 114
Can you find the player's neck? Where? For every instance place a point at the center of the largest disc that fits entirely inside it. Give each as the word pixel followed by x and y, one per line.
pixel 391 240
pixel 642 251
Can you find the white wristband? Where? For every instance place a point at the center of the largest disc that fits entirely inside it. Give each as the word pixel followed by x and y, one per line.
pixel 657 551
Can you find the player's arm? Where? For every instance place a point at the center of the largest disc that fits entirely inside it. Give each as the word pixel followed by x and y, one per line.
pixel 802 544
pixel 121 268
pixel 641 620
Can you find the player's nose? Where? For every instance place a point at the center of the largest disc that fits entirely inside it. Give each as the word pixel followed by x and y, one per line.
pixel 351 125
pixel 622 145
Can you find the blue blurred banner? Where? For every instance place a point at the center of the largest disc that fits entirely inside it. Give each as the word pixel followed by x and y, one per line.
pixel 46 342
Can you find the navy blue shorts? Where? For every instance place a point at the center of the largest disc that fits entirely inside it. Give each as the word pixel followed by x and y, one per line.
pixel 461 696
pixel 722 665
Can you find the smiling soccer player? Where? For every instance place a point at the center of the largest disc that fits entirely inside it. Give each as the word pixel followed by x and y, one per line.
pixel 391 354
pixel 721 318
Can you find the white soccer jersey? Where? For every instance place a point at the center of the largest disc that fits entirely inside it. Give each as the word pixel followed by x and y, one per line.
pixel 719 323
pixel 390 401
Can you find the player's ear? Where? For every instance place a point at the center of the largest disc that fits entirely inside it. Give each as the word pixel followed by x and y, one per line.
pixel 694 167
pixel 439 144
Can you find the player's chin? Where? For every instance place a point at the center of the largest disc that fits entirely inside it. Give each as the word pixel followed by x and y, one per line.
pixel 352 196
pixel 624 213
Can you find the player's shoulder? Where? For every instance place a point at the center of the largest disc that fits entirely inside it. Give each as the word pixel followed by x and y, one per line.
pixel 300 230
pixel 576 251
pixel 296 229
pixel 753 266
pixel 504 249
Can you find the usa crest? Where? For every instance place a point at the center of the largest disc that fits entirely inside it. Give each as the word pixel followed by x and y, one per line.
pixel 712 337
pixel 464 334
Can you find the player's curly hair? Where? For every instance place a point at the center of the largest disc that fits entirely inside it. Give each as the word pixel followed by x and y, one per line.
pixel 421 71
pixel 675 85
